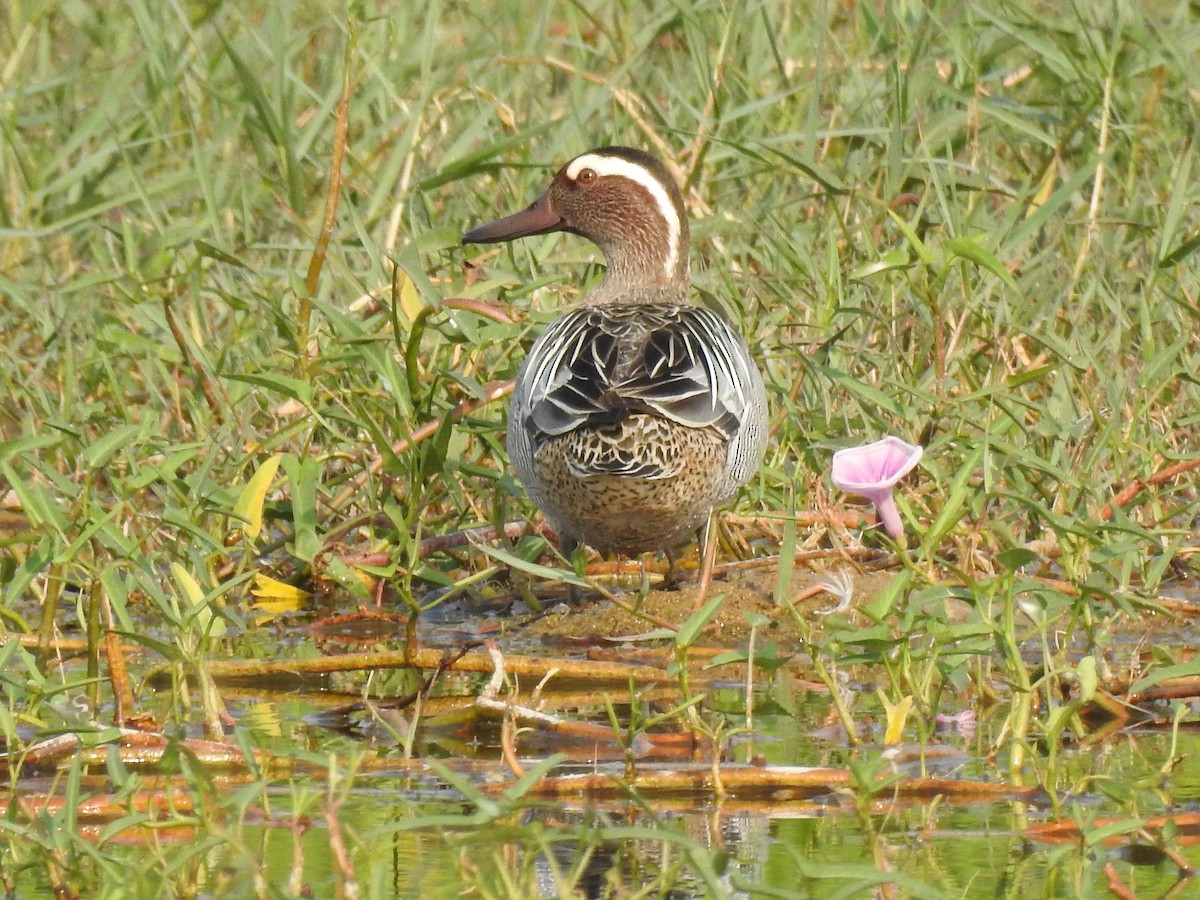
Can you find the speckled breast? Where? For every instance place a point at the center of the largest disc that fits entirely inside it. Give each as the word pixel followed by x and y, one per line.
pixel 633 486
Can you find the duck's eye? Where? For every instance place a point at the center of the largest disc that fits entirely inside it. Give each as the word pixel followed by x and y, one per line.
pixel 585 176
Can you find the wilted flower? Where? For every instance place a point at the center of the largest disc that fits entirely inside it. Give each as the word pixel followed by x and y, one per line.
pixel 962 722
pixel 840 585
pixel 872 470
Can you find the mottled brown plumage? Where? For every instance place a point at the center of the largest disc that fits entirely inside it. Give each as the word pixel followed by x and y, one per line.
pixel 635 413
pixel 587 491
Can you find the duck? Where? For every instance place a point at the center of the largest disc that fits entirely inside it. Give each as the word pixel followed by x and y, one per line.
pixel 636 413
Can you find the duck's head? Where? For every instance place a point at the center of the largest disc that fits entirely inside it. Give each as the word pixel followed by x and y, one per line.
pixel 624 201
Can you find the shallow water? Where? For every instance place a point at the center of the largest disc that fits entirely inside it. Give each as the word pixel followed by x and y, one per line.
pixel 839 844
pixel 832 846
pixel 440 827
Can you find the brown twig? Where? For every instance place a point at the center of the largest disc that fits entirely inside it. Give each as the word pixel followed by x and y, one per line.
pixel 766 562
pixel 489 699
pixel 775 782
pixel 332 197
pixel 479 307
pixel 708 561
pixel 136 749
pixel 1068 831
pixel 853 517
pixel 1132 490
pixel 508 745
pixel 207 388
pixel 118 674
pixel 337 845
pixel 99 808
pixel 431 659
pixel 448 661
pixel 1093 211
pixel 469 536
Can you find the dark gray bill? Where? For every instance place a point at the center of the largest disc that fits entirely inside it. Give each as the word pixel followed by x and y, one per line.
pixel 537 218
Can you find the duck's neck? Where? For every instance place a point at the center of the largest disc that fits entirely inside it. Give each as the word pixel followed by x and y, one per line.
pixel 647 270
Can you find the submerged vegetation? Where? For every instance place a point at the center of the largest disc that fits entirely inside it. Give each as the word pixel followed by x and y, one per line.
pixel 257 522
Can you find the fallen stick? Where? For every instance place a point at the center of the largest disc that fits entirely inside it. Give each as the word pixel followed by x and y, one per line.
pixel 530 666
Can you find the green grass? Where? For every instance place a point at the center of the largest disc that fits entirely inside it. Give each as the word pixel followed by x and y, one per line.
pixel 971 225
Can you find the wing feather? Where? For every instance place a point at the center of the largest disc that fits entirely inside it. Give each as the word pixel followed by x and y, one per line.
pixel 598 365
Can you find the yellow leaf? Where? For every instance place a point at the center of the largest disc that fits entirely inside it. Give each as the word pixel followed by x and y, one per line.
pixel 267 588
pixel 410 300
pixel 189 587
pixel 249 506
pixel 191 591
pixel 352 579
pixel 1045 189
pixel 897 715
pixel 274 607
pixel 262 718
pixel 274 598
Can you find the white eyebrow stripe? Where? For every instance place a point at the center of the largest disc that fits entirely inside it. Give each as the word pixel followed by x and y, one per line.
pixel 615 165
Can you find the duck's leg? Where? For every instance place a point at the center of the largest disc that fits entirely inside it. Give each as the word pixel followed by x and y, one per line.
pixel 707 537
pixel 567 547
pixel 672 579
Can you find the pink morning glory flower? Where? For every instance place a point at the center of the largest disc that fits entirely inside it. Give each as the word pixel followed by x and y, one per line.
pixel 872 470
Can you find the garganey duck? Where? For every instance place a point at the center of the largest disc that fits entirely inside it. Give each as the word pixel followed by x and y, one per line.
pixel 636 413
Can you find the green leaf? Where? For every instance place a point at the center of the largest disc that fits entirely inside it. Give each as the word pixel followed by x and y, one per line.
pixel 1057 720
pixel 1089 680
pixel 867 393
pixel 971 250
pixel 474 162
pixel 1094 837
pixel 1183 250
pixel 885 601
pixel 206 249
pixel 1158 676
pixel 27 444
pixel 38 503
pixel 169 651
pixel 1016 557
pixel 296 388
pixel 347 577
pixel 894 259
pixel 911 236
pixel 817 173
pixel 563 576
pixel 690 630
pixel 1066 193
pixel 303 477
pixel 1180 202
pixel 766 658
pixel 532 776
pixel 955 506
